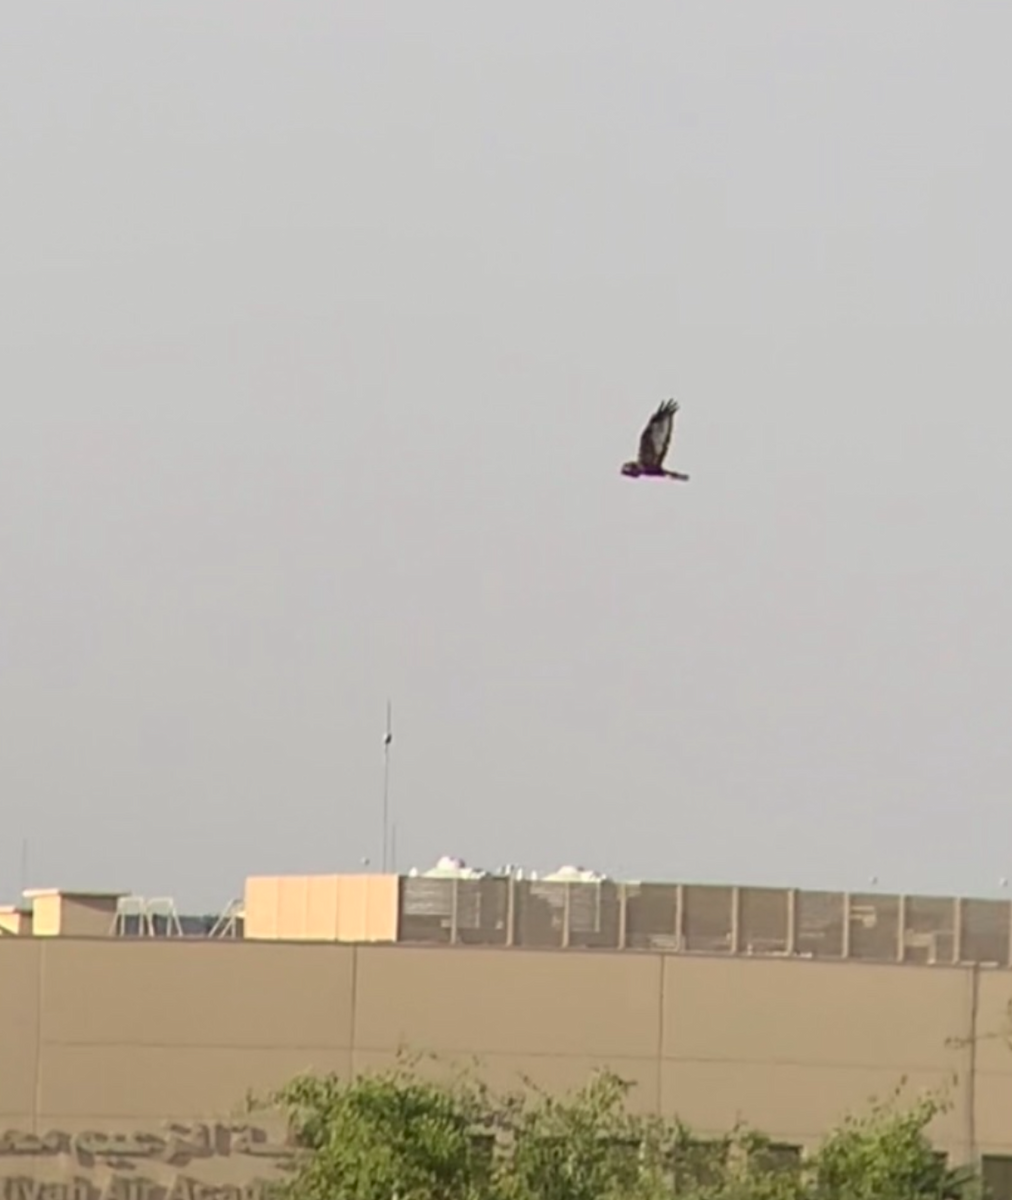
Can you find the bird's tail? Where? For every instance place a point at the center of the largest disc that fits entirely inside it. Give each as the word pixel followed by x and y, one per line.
pixel 676 475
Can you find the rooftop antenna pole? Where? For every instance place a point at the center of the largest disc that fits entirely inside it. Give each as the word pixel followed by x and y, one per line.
pixel 388 738
pixel 24 865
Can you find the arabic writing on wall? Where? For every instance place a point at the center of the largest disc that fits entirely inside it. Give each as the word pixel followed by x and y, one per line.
pixel 178 1145
pixel 128 1156
pixel 130 1187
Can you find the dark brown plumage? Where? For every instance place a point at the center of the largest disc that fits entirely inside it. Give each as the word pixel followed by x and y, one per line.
pixel 654 445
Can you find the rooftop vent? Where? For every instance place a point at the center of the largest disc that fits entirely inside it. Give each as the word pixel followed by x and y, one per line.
pixel 449 867
pixel 569 874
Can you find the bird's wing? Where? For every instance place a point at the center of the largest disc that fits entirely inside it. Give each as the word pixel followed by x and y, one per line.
pixel 656 438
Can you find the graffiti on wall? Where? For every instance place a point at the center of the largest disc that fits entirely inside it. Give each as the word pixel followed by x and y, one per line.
pixel 94 1165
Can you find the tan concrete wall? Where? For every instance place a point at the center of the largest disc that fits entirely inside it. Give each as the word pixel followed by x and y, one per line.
pixel 56 913
pixel 112 1036
pixel 15 921
pixel 344 908
pixel 367 908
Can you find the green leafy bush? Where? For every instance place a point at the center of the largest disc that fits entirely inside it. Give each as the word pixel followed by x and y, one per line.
pixel 406 1135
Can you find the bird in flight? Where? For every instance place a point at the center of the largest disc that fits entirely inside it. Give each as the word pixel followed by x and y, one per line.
pixel 654 443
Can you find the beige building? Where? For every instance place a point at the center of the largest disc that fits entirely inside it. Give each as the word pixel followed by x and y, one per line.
pixel 126 1057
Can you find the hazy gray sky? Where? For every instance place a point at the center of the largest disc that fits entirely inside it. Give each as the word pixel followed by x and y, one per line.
pixel 325 329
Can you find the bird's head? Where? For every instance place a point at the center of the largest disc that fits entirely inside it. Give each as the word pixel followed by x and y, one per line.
pixel 630 468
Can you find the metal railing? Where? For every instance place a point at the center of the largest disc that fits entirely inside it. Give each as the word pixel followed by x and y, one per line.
pixel 699 918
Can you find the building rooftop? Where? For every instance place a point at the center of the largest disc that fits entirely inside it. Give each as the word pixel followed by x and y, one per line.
pixel 571 908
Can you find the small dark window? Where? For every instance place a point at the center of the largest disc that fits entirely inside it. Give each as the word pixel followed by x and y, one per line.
pixel 624 1149
pixel 779 1156
pixel 698 1164
pixel 997 1172
pixel 483 1144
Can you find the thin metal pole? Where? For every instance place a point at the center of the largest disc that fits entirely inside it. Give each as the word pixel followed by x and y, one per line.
pixel 388 737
